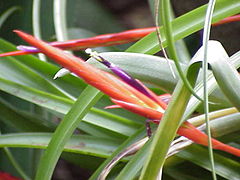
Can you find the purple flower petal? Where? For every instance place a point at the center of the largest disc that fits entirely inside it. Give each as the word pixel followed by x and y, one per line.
pixel 125 77
pixel 27 48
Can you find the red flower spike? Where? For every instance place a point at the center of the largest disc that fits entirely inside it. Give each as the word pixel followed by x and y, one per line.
pixel 14 53
pixel 140 110
pixel 154 96
pixel 194 134
pixel 108 39
pixel 104 81
pixel 120 92
pixel 96 41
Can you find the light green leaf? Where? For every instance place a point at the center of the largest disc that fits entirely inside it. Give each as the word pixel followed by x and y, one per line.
pixel 82 144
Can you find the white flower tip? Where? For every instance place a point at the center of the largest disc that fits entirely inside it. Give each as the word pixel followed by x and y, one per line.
pixel 55 76
pixel 89 51
pixel 93 54
pixel 62 72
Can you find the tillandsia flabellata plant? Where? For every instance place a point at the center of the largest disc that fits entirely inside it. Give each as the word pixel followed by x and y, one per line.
pixel 125 91
pixel 123 78
pixel 111 135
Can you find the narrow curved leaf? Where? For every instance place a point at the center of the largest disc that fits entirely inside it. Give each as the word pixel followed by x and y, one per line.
pixel 8 13
pixel 226 75
pixel 64 131
pixel 82 144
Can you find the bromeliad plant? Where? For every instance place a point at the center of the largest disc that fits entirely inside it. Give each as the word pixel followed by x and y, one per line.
pixel 125 91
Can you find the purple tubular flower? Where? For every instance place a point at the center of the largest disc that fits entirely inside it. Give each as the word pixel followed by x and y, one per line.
pixel 125 77
pixel 27 48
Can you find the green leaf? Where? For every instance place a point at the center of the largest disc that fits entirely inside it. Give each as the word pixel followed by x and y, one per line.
pixel 206 35
pixel 225 167
pixel 8 13
pixel 81 144
pixel 165 10
pixel 41 98
pixel 21 121
pixel 226 75
pixel 166 132
pixel 212 84
pixel 225 125
pixel 64 131
pixel 112 122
